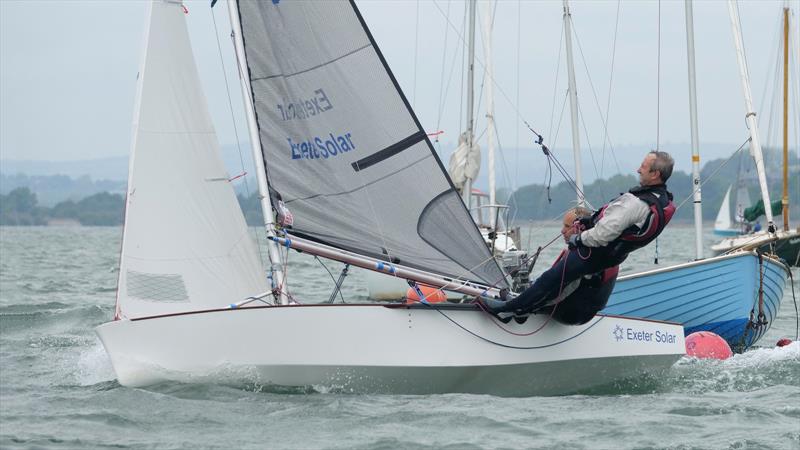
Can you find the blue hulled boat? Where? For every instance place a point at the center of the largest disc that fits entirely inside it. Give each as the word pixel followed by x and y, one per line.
pixel 716 294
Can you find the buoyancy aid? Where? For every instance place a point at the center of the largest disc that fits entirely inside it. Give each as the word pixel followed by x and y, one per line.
pixel 634 237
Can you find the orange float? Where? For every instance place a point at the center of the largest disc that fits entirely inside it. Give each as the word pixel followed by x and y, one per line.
pixel 430 294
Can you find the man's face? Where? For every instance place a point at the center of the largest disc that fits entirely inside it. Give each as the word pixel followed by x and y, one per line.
pixel 567 229
pixel 648 177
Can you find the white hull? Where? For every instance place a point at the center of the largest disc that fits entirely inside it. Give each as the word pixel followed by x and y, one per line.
pixel 750 241
pixel 387 349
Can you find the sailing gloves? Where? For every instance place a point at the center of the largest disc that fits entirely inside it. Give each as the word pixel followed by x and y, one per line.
pixel 584 223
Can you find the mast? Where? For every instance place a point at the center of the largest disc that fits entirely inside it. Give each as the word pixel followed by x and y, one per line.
pixel 750 116
pixel 490 126
pixel 275 259
pixel 573 105
pixel 785 199
pixel 698 210
pixel 467 192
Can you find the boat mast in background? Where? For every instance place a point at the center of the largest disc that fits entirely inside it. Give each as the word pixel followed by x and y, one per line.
pixel 488 21
pixel 276 272
pixel 785 198
pixel 470 134
pixel 750 116
pixel 698 210
pixel 573 104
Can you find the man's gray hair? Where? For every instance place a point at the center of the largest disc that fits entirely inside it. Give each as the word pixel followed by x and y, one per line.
pixel 581 212
pixel 663 164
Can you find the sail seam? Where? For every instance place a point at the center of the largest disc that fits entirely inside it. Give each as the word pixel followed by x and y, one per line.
pixel 269 77
pixel 388 152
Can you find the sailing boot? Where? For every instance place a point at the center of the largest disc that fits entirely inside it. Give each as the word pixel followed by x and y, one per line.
pixel 497 307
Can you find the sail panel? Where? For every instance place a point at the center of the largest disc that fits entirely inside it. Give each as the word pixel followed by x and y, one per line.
pixel 723 221
pixel 185 243
pixel 343 148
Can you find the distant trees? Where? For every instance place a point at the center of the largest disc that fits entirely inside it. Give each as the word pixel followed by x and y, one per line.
pixel 52 189
pixel 101 209
pixel 20 207
pixel 531 202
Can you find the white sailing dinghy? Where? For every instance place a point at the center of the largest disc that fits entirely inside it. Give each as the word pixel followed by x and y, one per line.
pixel 345 152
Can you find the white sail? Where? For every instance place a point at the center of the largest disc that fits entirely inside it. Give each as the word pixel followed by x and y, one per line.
pixel 185 245
pixel 742 201
pixel 723 221
pixel 465 162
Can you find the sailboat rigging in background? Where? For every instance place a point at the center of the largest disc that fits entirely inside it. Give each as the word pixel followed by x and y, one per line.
pixel 723 224
pixel 736 296
pixel 464 167
pixel 338 145
pixel 784 242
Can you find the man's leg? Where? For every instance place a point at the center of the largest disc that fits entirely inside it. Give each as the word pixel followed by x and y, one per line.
pixel 548 285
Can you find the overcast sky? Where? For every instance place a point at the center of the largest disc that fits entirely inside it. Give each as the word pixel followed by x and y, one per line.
pixel 68 70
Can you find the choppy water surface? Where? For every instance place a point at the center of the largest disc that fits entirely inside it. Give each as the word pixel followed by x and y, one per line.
pixel 58 390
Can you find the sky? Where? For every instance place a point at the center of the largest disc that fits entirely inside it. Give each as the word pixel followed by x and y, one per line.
pixel 68 72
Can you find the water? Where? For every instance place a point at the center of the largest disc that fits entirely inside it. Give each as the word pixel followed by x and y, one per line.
pixel 58 390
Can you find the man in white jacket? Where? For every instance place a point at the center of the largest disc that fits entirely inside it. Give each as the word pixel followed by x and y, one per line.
pixel 625 224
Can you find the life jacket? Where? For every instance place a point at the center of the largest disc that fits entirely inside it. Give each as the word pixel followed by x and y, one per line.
pixel 634 237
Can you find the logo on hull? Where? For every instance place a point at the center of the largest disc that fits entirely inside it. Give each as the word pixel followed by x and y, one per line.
pixel 619 333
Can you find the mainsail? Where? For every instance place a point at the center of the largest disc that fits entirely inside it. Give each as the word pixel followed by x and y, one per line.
pixel 343 148
pixel 723 221
pixel 185 243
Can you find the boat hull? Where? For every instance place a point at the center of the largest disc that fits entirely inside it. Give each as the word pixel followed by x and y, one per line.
pixel 786 244
pixel 715 294
pixel 727 232
pixel 414 349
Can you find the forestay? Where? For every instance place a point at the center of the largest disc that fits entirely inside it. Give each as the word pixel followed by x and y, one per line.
pixel 343 148
pixel 185 243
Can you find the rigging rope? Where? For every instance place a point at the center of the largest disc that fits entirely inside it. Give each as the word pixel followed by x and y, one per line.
pixel 589 145
pixel 794 300
pixel 708 178
pixel 233 122
pixel 516 103
pixel 490 341
pixel 555 89
pixel 603 118
pixel 658 83
pixel 608 98
pixel 442 89
pixel 332 277
pixel 416 47
pixel 558 165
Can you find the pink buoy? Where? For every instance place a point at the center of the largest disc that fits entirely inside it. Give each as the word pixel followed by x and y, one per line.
pixel 705 344
pixel 783 342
